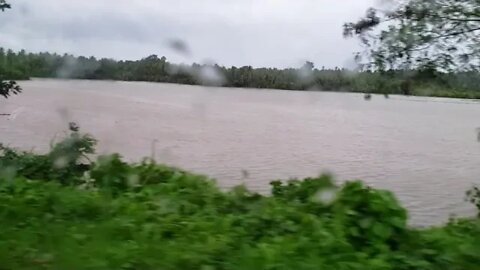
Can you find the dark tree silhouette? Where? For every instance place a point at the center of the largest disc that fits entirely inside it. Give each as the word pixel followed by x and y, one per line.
pixel 4 5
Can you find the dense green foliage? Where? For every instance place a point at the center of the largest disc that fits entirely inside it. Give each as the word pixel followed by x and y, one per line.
pixel 62 211
pixel 20 65
pixel 407 34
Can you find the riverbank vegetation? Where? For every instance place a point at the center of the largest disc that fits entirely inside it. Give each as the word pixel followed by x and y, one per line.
pixel 424 82
pixel 7 87
pixel 62 211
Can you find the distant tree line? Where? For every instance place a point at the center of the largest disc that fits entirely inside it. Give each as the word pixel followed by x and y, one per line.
pixel 426 81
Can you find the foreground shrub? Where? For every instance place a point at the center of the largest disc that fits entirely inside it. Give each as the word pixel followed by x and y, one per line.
pixel 66 161
pixel 109 214
pixel 185 222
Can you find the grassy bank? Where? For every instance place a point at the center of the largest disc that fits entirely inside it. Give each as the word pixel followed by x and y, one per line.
pixel 61 211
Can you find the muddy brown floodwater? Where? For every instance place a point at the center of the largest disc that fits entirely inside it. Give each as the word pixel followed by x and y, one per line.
pixel 423 149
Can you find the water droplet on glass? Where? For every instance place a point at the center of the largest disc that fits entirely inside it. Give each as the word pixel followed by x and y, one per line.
pixel 325 196
pixel 210 75
pixel 61 162
pixel 8 173
pixel 133 180
pixel 179 46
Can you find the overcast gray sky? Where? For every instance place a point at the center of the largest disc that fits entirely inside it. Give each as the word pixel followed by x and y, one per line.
pixel 274 33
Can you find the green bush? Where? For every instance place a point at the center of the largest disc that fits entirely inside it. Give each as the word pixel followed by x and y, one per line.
pixel 109 214
pixel 473 196
pixel 66 161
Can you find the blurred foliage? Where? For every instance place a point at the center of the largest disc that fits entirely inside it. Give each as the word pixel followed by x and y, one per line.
pixel 110 214
pixel 425 81
pixel 473 196
pixel 66 161
pixel 7 88
pixel 416 33
pixel 4 5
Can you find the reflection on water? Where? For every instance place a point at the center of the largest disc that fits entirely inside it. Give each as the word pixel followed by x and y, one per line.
pixel 423 149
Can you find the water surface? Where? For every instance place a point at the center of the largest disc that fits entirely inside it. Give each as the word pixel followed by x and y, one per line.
pixel 423 149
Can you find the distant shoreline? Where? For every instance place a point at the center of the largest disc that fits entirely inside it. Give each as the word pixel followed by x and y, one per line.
pixel 377 95
pixel 423 82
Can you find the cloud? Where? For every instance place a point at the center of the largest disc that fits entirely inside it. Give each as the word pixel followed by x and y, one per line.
pixel 276 33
